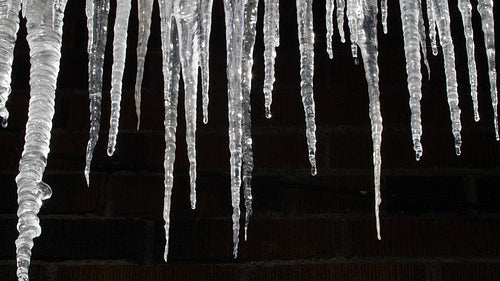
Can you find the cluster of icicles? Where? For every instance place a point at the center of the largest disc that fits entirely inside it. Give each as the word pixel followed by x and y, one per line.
pixel 185 33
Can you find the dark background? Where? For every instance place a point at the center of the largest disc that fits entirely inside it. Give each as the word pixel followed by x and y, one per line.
pixel 440 216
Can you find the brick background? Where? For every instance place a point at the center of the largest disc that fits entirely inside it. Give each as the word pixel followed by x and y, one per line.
pixel 440 216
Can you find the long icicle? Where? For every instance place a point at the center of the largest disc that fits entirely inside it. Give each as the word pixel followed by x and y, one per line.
pixel 45 52
pixel 271 42
pixel 171 76
pixel 145 10
pixel 119 54
pixel 9 25
pixel 410 21
pixel 234 18
pixel 97 24
pixel 204 37
pixel 340 19
pixel 246 87
pixel 330 7
pixel 306 46
pixel 485 8
pixel 185 15
pixel 354 15
pixel 384 13
pixel 367 41
pixel 431 16
pixel 442 14
pixel 465 9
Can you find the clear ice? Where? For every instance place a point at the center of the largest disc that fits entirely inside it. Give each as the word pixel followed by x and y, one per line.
pixel 340 19
pixel 171 77
pixel 410 18
pixel 465 9
pixel 119 54
pixel 97 25
pixel 384 14
pixel 431 16
pixel 145 11
pixel 441 11
pixel 271 42
pixel 330 7
pixel 205 24
pixel 44 25
pixel 306 47
pixel 246 87
pixel 367 41
pixel 485 8
pixel 9 24
pixel 354 16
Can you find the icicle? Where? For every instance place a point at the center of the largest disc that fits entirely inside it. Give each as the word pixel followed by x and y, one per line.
pixel 442 13
pixel 97 25
pixel 246 85
pixel 145 10
pixel 432 26
pixel 485 8
pixel 171 76
pixel 423 38
pixel 119 53
pixel 271 42
pixel 410 20
pixel 205 28
pixel 306 46
pixel 185 15
pixel 9 24
pixel 466 10
pixel 367 40
pixel 330 6
pixel 340 19
pixel 384 12
pixel 44 25
pixel 354 15
pixel 234 13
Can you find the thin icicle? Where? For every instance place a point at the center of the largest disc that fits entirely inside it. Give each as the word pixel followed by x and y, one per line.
pixel 485 8
pixel 330 6
pixel 466 10
pixel 145 10
pixel 204 37
pixel 306 46
pixel 271 42
pixel 246 85
pixel 354 16
pixel 97 26
pixel 171 76
pixel 45 51
pixel 340 19
pixel 367 40
pixel 186 18
pixel 423 38
pixel 384 13
pixel 442 14
pixel 9 24
pixel 410 21
pixel 119 54
pixel 234 18
pixel 432 26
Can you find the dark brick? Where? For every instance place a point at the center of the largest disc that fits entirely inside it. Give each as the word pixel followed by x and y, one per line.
pixel 339 271
pixel 469 271
pixel 134 272
pixel 424 237
pixel 488 194
pixel 12 146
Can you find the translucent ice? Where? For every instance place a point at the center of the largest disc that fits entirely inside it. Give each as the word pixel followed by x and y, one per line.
pixel 441 11
pixel 44 25
pixel 466 10
pixel 145 10
pixel 485 8
pixel 330 6
pixel 97 24
pixel 306 46
pixel 119 53
pixel 246 86
pixel 271 42
pixel 340 18
pixel 205 24
pixel 9 24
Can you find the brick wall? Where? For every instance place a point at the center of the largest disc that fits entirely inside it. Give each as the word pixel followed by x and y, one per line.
pixel 440 216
